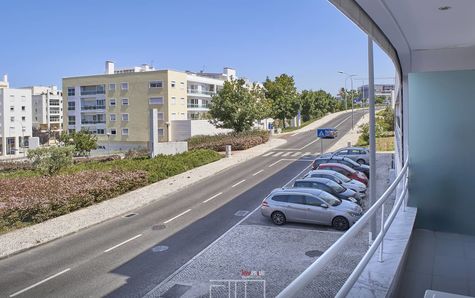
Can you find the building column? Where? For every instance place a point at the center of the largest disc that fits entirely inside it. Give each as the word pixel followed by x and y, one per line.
pixel 4 146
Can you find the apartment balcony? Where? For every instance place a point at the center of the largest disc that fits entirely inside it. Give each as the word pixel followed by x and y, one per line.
pixel 93 108
pixel 89 122
pixel 192 106
pixel 197 92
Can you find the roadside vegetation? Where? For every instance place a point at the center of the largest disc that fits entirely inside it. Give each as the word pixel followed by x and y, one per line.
pixel 237 140
pixel 384 130
pixel 49 188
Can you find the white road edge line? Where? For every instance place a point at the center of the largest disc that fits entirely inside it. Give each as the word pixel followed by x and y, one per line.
pixel 166 280
pixel 173 218
pixel 238 183
pixel 216 195
pixel 39 283
pixel 256 173
pixel 122 243
pixel 274 163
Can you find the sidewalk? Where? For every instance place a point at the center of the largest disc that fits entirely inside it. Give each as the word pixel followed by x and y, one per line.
pixel 25 238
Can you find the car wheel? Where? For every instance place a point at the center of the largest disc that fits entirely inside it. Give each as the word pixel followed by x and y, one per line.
pixel 278 218
pixel 340 223
pixel 361 161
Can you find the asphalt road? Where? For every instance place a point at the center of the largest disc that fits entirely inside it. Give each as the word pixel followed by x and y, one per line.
pixel 129 256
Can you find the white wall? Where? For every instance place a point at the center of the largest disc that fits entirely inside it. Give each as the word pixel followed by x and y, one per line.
pixel 203 127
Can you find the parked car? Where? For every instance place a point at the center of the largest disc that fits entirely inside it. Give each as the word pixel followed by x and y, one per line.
pixel 309 205
pixel 329 186
pixel 343 160
pixel 358 154
pixel 345 170
pixel 341 179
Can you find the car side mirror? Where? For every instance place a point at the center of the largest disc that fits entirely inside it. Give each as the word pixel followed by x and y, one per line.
pixel 324 206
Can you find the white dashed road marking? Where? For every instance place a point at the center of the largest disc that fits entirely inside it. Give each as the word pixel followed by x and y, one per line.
pixel 173 218
pixel 39 283
pixel 216 195
pixel 256 173
pixel 122 243
pixel 238 183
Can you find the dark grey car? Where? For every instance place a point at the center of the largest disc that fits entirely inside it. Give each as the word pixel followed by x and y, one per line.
pixel 329 186
pixel 309 205
pixel 343 160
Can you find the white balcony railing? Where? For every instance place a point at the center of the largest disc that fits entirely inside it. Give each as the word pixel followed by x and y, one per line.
pixel 335 250
pixel 204 92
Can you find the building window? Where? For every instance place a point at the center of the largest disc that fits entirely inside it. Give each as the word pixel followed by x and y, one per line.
pixel 160 132
pixel 12 119
pixel 100 131
pixel 113 131
pixel 12 108
pixel 23 108
pixel 183 115
pixel 71 91
pixel 125 117
pixel 155 84
pixel 93 89
pixel 173 100
pixel 23 118
pixel 173 84
pixel 71 105
pixel 112 102
pixel 160 116
pixel 182 100
pixel 125 131
pixel 173 116
pixel 182 85
pixel 155 100
pixel 125 101
pixel 112 117
pixel 124 86
pixel 71 120
pixel 111 87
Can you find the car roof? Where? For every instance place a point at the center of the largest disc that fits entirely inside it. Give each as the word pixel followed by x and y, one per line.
pixel 316 179
pixel 322 171
pixel 357 148
pixel 302 190
pixel 337 165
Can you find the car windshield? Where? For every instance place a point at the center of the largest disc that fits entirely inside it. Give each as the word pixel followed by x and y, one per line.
pixel 336 187
pixel 329 199
pixel 342 177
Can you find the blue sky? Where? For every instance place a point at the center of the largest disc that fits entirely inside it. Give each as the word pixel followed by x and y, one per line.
pixel 44 41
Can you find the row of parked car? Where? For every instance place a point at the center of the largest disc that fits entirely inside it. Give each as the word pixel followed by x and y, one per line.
pixel 332 193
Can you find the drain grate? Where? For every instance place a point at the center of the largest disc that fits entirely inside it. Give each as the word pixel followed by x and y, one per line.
pixel 313 253
pixel 241 213
pixel 130 215
pixel 159 248
pixel 158 227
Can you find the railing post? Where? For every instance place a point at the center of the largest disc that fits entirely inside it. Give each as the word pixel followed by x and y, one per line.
pixel 404 183
pixel 382 233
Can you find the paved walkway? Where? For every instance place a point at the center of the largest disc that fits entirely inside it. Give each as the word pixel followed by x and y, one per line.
pixel 22 239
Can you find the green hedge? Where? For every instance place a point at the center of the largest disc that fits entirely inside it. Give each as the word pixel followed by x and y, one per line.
pixel 238 141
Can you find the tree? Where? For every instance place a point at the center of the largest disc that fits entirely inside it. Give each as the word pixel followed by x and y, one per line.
pixel 82 141
pixel 316 104
pixel 50 160
pixel 283 97
pixel 237 106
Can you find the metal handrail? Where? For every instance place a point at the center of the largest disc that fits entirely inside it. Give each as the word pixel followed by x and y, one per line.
pixel 316 267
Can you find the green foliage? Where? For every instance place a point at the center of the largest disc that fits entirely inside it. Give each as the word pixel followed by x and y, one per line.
pixel 283 96
pixel 387 118
pixel 83 141
pixel 237 140
pixel 379 100
pixel 237 106
pixel 50 160
pixel 316 104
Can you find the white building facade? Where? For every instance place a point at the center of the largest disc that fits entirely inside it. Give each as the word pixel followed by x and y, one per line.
pixel 15 119
pixel 47 108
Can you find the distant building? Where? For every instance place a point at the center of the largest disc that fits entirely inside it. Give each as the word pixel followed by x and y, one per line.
pixel 135 107
pixel 15 119
pixel 379 90
pixel 47 108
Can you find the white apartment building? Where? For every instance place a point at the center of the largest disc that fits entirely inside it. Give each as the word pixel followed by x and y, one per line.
pixel 15 119
pixel 47 108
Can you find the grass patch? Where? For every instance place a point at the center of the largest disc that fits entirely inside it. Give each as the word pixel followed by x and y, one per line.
pixel 237 140
pixel 29 198
pixel 382 143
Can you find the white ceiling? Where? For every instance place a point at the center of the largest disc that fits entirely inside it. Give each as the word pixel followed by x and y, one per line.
pixel 413 25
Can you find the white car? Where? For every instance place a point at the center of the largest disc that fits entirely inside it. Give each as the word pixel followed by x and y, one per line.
pixel 352 184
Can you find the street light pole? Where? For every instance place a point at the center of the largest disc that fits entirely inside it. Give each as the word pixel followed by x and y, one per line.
pixel 350 76
pixel 108 143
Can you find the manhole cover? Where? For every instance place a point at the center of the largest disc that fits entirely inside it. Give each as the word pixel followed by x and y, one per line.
pixel 160 248
pixel 130 215
pixel 158 227
pixel 313 253
pixel 241 213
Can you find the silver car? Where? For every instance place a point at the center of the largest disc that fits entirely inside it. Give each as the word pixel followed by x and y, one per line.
pixel 330 186
pixel 308 205
pixel 358 154
pixel 341 179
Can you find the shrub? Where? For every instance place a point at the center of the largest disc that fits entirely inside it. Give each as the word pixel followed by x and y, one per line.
pixel 140 153
pixel 83 159
pixel 9 166
pixel 238 141
pixel 50 160
pixel 36 199
pixel 364 129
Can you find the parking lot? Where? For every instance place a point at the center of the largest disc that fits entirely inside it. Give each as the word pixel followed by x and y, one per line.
pixel 259 258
